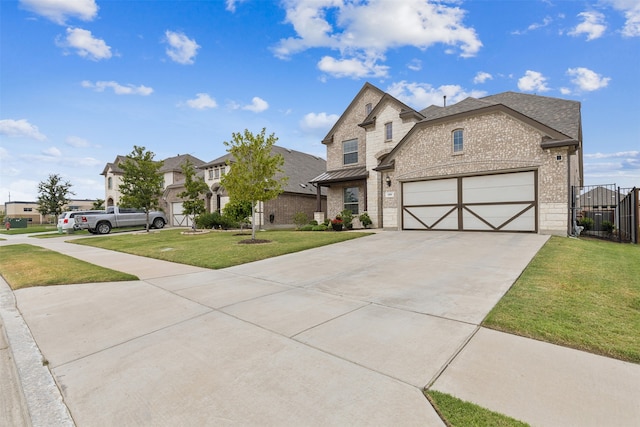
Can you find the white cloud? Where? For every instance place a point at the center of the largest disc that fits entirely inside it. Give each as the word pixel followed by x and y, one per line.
pixel 52 151
pixel 59 11
pixel 4 154
pixel 312 121
pixel 202 101
pixel 482 77
pixel 118 89
pixel 355 68
pixel 536 25
pixel 533 81
pixel 368 29
pixel 587 79
pixel 181 48
pixel 257 105
pixel 20 128
pixel 85 44
pixel 422 95
pixel 631 10
pixel 565 91
pixel 415 65
pixel 77 142
pixel 231 4
pixel 593 25
pixel 619 154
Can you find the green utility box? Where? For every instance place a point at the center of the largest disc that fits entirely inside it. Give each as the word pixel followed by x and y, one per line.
pixel 17 222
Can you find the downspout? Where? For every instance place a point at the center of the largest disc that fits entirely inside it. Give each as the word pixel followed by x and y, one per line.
pixel 570 224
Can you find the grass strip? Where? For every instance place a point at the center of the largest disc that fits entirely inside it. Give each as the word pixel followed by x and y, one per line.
pixel 579 293
pixel 217 249
pixel 29 229
pixel 25 265
pixel 459 413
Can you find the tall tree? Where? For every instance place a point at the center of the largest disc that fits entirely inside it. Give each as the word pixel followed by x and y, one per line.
pixel 141 186
pixel 194 188
pixel 53 195
pixel 252 174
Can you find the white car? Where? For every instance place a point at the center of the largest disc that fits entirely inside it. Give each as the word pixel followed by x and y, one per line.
pixel 67 222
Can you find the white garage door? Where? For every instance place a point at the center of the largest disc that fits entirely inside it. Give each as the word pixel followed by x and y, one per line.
pixel 502 202
pixel 178 219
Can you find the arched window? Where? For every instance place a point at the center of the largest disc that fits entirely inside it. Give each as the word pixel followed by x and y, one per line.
pixel 458 141
pixel 110 183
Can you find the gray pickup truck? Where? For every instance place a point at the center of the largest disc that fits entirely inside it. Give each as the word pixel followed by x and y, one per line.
pixel 115 217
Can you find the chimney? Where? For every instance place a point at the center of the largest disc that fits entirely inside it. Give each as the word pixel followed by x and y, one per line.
pixel 445 100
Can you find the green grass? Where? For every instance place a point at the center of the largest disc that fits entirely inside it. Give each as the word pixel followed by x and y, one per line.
pixel 26 265
pixel 458 413
pixel 30 229
pixel 218 249
pixel 579 293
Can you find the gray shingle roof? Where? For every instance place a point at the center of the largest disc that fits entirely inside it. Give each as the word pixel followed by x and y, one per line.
pixel 175 163
pixel 298 166
pixel 559 114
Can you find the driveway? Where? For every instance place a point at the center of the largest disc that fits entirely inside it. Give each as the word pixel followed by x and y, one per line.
pixel 346 334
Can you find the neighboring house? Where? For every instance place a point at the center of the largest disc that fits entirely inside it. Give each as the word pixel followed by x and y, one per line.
pixel 29 210
pixel 172 175
pixel 504 162
pixel 298 196
pixel 599 198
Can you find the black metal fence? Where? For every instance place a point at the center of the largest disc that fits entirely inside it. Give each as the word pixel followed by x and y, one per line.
pixel 606 212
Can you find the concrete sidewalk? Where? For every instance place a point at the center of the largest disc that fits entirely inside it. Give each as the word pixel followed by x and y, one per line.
pixel 345 334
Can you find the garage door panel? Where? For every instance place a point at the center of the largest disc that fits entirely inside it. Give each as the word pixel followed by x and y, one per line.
pixel 498 188
pixel 437 192
pixel 497 215
pixel 501 202
pixel 436 218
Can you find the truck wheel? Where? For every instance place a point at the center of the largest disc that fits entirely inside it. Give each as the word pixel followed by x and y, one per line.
pixel 103 228
pixel 158 223
pixel 92 230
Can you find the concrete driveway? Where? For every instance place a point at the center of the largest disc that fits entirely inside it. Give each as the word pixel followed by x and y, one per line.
pixel 347 334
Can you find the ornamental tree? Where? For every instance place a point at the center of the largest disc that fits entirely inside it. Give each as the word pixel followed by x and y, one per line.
pixel 53 195
pixel 194 188
pixel 252 175
pixel 141 186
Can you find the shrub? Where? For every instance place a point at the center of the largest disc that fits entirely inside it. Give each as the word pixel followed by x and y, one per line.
pixel 347 218
pixel 326 222
pixel 313 222
pixel 320 227
pixel 215 220
pixel 587 223
pixel 307 227
pixel 608 226
pixel 365 220
pixel 300 219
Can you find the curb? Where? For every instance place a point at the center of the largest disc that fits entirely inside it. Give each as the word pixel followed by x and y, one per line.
pixel 44 403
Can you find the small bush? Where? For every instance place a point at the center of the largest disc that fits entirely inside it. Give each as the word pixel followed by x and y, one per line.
pixel 215 220
pixel 587 223
pixel 347 218
pixel 608 226
pixel 365 220
pixel 300 219
pixel 307 227
pixel 320 227
pixel 326 222
pixel 313 222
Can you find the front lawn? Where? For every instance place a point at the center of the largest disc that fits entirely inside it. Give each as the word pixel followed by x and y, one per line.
pixel 579 293
pixel 217 249
pixel 30 229
pixel 24 265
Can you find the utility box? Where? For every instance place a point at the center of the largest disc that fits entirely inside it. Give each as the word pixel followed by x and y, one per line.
pixel 18 222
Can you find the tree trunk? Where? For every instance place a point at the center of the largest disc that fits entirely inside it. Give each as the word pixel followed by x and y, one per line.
pixel 253 221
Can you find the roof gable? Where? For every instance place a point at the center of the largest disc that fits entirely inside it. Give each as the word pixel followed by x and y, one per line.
pixel 367 87
pixel 388 99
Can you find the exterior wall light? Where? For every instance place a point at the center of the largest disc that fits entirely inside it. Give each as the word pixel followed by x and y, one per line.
pixel 388 181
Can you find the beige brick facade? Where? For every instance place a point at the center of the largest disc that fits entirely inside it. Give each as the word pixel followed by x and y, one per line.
pixel 496 140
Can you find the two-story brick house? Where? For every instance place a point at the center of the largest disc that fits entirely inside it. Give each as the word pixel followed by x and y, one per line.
pixel 504 162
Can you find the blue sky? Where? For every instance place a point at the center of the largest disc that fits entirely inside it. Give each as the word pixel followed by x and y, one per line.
pixel 83 81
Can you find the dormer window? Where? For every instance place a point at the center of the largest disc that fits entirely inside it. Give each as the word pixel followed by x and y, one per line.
pixel 458 141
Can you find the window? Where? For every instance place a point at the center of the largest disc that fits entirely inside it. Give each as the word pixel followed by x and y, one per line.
pixel 217 173
pixel 368 108
pixel 458 141
pixel 350 151
pixel 210 173
pixel 351 199
pixel 223 170
pixel 110 183
pixel 27 209
pixel 388 131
